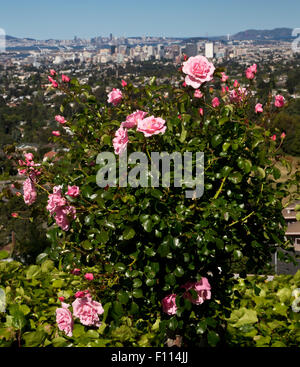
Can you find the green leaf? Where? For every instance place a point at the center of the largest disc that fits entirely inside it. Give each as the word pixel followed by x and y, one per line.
pixel 235 177
pixel 213 338
pixel 148 225
pixel 120 267
pixel 60 342
pixel 242 316
pixel 201 327
pixel 173 324
pixel 128 233
pixel 24 309
pixel 78 330
pixel 4 254
pixel 123 297
pixel 92 334
pixel 41 257
pixel 58 283
pixel 183 135
pixel 216 140
pixel 106 308
pixel 137 293
pixel 223 120
pixel 33 272
pixel 137 283
pixel 34 339
pixel 47 266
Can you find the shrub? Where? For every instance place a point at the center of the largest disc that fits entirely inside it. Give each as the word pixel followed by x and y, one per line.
pixel 159 247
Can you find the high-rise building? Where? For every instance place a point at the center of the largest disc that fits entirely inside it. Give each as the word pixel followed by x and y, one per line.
pixel 209 50
pixel 191 49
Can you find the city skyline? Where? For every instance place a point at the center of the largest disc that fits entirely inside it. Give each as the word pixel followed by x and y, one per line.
pixel 57 20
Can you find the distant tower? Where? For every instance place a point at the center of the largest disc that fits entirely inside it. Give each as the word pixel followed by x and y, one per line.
pixel 209 50
pixel 228 37
pixel 110 36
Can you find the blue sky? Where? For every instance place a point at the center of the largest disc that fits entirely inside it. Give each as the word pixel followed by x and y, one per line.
pixel 63 19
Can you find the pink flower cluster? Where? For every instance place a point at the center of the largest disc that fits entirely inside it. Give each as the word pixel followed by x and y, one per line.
pixel 238 95
pixel 64 78
pixel 84 308
pixel 202 288
pixel 224 77
pixel 28 169
pixel 29 191
pixel 251 71
pixel 58 206
pixel 147 125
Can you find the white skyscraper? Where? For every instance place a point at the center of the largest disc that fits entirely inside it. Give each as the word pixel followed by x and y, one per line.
pixel 209 50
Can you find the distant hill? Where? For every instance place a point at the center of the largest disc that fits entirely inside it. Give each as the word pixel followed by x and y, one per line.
pixel 250 34
pixel 260 35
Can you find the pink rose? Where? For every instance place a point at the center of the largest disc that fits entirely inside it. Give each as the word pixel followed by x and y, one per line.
pixel 279 101
pixel 115 96
pixel 273 137
pixel 201 112
pixel 29 191
pixel 198 94
pixel 89 276
pixel 80 294
pixel 75 271
pixel 87 310
pixel 132 120
pixel 120 141
pixel 253 68
pixel 123 83
pixel 63 216
pixel 28 156
pixel 283 135
pixel 73 191
pixel 184 84
pixel 56 133
pixel 64 319
pixel 61 299
pixel 249 74
pixel 14 215
pixel 199 70
pixel 54 83
pixel 55 200
pixel 22 172
pixel 202 288
pixel 151 126
pixel 236 84
pixel 65 78
pixel 60 119
pixel 169 304
pixel 238 95
pixel 52 72
pixel 259 108
pixel 215 102
pixel 224 77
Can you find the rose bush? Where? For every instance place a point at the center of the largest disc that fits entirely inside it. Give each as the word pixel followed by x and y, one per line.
pixel 261 312
pixel 168 257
